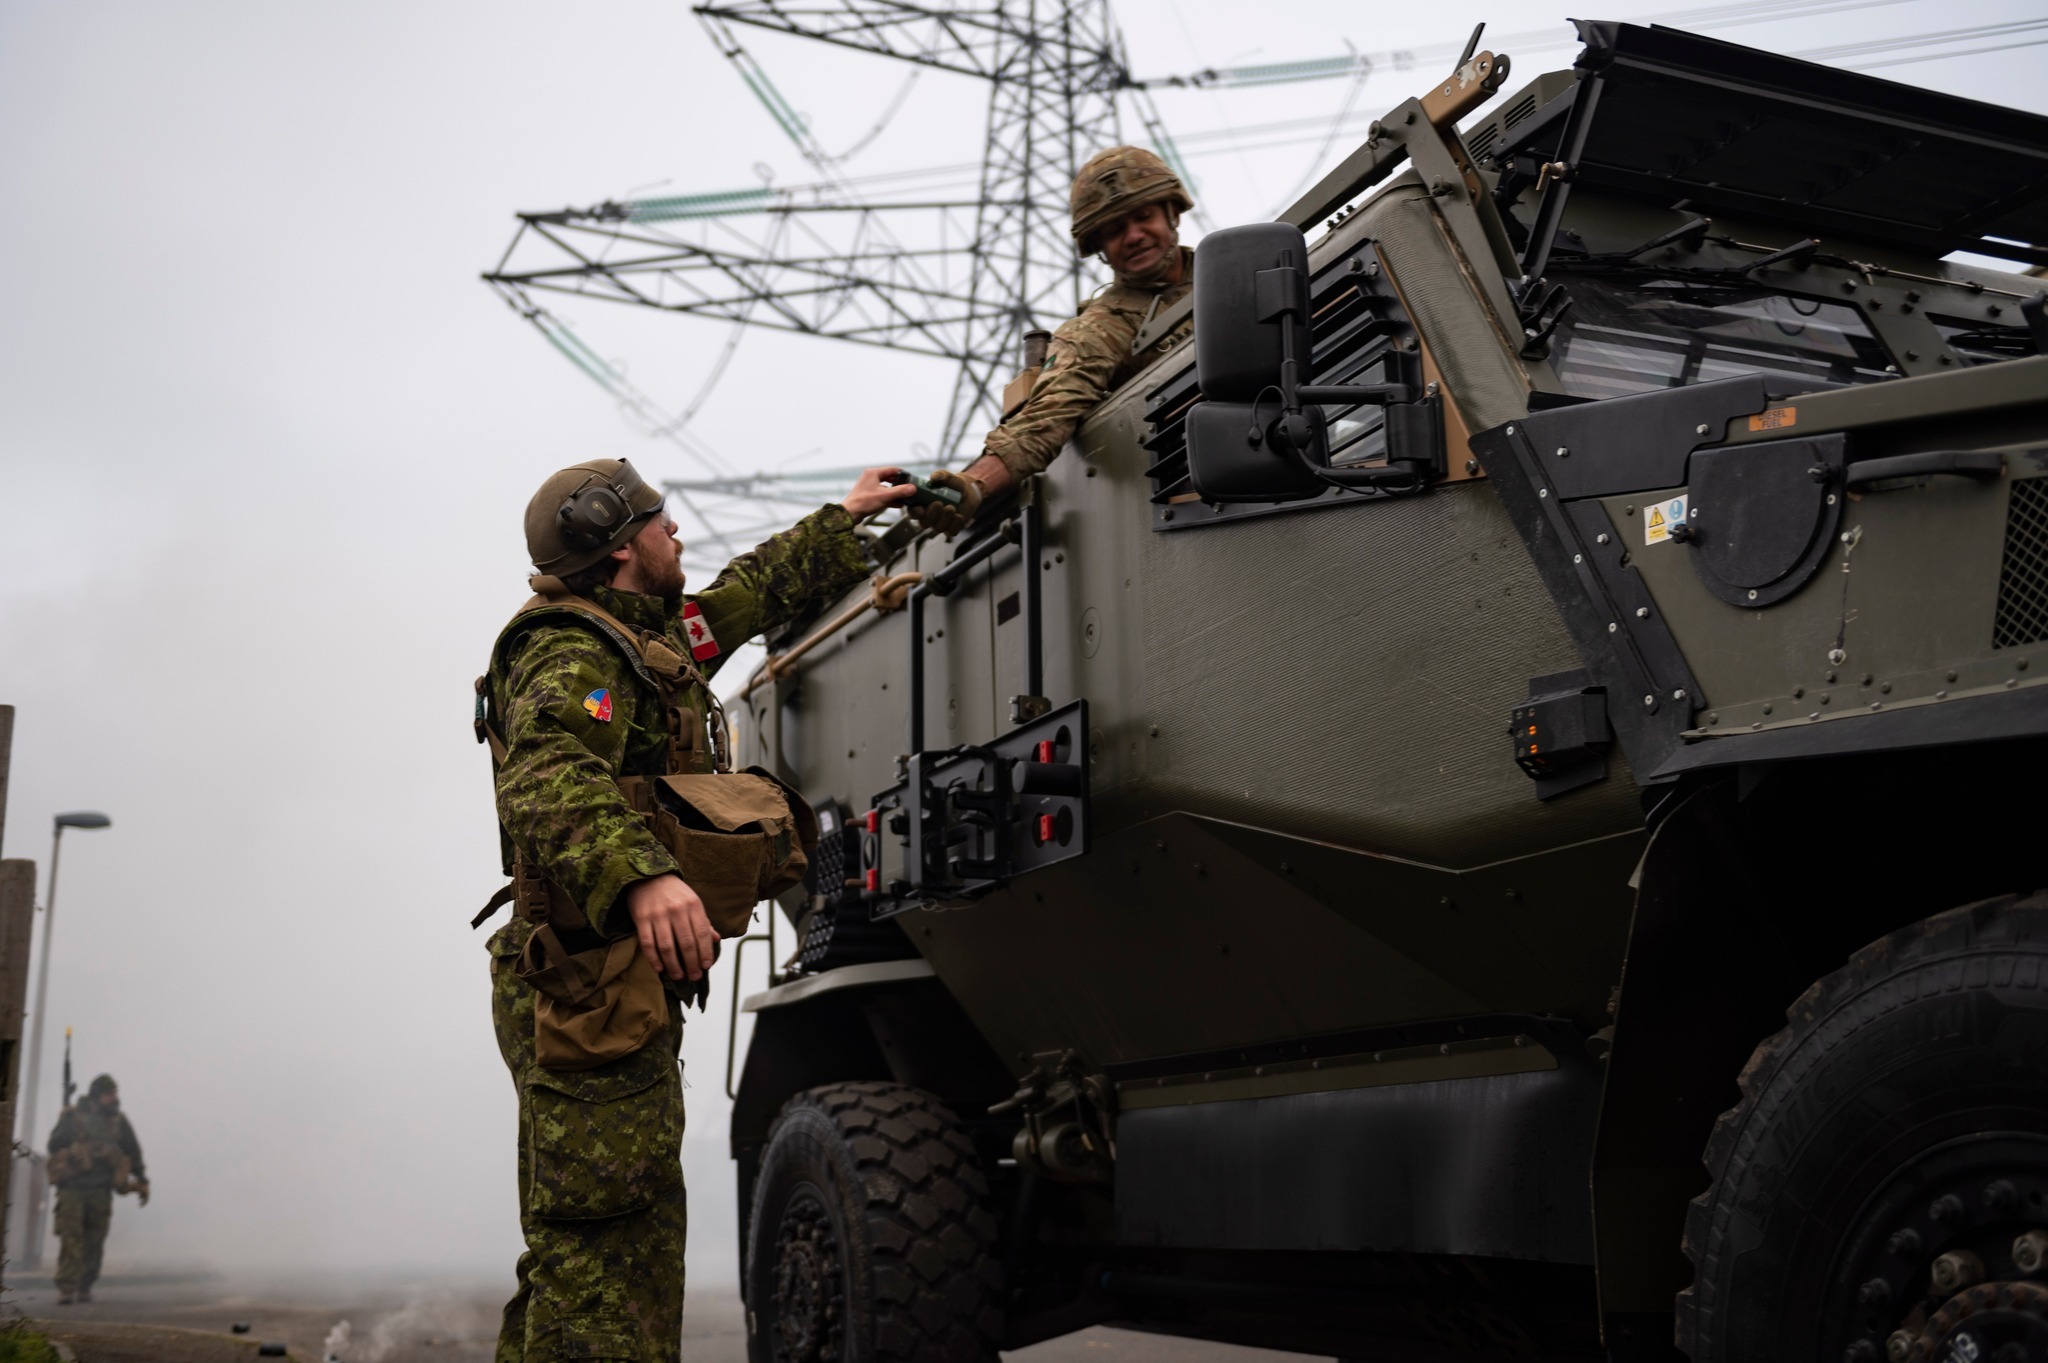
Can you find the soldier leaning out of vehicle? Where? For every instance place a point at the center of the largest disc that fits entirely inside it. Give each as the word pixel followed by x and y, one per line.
pixel 93 1155
pixel 1126 207
pixel 615 802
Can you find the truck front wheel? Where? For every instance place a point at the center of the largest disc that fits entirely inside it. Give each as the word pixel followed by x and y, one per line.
pixel 1881 1191
pixel 871 1240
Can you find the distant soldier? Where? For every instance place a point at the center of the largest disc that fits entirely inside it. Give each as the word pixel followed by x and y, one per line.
pixel 1126 205
pixel 598 687
pixel 93 1155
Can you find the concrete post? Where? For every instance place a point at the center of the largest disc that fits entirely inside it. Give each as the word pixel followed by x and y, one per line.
pixel 17 915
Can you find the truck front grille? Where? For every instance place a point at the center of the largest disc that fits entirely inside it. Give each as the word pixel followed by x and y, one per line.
pixel 2023 577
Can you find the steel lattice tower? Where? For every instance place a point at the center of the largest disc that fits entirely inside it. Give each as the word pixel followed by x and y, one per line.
pixel 958 278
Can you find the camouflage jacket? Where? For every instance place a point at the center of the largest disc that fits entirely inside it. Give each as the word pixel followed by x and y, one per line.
pixel 575 715
pixel 109 1131
pixel 1089 357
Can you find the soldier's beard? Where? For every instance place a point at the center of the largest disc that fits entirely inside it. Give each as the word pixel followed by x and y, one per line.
pixel 660 568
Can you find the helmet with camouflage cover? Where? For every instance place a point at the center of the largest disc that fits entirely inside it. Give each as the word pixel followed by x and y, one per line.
pixel 1116 181
pixel 584 512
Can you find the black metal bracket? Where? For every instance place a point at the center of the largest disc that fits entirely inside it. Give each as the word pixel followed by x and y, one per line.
pixel 969 818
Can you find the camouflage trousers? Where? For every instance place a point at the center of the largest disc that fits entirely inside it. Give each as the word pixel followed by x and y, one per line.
pixel 600 1192
pixel 83 1215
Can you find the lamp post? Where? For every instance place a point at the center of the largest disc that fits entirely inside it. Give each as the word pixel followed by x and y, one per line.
pixel 31 1252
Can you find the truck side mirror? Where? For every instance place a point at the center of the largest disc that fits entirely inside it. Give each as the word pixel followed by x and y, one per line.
pixel 1259 434
pixel 1251 309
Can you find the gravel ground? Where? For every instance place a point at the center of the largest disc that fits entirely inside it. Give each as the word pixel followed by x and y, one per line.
pixel 187 1319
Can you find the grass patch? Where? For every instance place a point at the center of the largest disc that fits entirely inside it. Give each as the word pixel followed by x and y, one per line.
pixel 20 1344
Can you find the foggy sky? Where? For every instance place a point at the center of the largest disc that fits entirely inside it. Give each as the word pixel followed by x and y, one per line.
pixel 264 445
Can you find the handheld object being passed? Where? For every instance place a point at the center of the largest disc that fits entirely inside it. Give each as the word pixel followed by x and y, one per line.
pixel 927 491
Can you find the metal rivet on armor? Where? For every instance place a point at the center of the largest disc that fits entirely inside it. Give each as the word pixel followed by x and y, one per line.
pixel 1900 1346
pixel 1951 676
pixel 1511 430
pixel 1649 702
pixel 1752 593
pixel 1642 612
pixel 1798 691
pixel 1542 492
pixel 1601 538
pixel 1701 428
pixel 2020 664
pixel 1578 558
pixel 1837 657
pixel 1679 694
pixel 1831 502
pixel 1941 695
pixel 1767 707
pixel 1613 628
pixel 1814 715
pixel 1562 451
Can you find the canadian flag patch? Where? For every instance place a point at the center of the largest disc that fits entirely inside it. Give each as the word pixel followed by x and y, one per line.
pixel 702 645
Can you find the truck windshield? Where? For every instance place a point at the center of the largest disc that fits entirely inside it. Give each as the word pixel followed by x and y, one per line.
pixel 1636 334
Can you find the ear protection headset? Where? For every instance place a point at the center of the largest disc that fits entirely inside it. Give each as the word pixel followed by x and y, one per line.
pixel 591 516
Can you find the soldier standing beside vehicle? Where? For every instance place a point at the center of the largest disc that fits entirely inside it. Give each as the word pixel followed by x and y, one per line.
pixel 1126 207
pixel 633 849
pixel 93 1155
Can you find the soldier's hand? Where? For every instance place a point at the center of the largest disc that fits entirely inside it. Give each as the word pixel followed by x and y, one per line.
pixel 675 935
pixel 950 520
pixel 142 1194
pixel 871 494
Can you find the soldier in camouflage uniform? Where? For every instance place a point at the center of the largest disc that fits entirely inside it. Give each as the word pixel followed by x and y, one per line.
pixel 569 705
pixel 1126 206
pixel 93 1154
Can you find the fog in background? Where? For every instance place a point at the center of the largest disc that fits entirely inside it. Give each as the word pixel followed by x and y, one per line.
pixel 265 441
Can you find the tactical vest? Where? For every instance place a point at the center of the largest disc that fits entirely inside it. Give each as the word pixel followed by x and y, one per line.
pixel 737 837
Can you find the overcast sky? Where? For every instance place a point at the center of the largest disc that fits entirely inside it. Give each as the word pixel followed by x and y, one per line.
pixel 264 445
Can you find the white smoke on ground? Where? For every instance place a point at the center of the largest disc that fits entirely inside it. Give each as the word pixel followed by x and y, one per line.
pixel 436 1319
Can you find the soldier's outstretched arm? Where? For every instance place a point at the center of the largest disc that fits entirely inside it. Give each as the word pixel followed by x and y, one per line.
pixel 1080 364
pixel 767 587
pixel 557 795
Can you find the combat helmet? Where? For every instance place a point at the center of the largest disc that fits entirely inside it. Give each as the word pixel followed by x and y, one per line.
pixel 102 1084
pixel 584 512
pixel 1116 181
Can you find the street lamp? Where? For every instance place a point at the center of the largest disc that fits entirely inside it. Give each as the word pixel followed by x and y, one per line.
pixel 32 1247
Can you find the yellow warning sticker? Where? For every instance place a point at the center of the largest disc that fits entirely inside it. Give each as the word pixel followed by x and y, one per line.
pixel 1776 419
pixel 1659 517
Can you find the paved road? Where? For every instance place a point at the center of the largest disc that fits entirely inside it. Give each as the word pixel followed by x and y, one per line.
pixel 433 1324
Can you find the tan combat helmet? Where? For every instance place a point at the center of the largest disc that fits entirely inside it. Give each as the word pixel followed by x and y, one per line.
pixel 584 512
pixel 1116 181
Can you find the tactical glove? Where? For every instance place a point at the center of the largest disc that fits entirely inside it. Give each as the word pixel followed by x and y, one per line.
pixel 950 520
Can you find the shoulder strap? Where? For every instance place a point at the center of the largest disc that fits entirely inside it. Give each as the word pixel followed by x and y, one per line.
pixel 658 664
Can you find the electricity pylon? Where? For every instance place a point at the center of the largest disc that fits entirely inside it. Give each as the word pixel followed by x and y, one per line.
pixel 960 277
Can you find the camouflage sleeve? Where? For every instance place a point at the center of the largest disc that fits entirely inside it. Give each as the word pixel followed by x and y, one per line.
pixel 558 797
pixel 1080 368
pixel 767 587
pixel 132 1148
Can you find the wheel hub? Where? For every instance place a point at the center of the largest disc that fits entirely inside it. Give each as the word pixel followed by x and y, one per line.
pixel 1945 1264
pixel 808 1286
pixel 1991 1323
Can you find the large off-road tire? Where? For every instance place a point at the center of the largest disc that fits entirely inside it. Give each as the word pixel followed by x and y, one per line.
pixel 871 1239
pixel 1900 1119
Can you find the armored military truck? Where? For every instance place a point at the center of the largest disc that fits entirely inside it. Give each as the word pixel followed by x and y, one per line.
pixel 1485 807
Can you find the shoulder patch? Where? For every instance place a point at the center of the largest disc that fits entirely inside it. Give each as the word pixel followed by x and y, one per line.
pixel 702 644
pixel 598 704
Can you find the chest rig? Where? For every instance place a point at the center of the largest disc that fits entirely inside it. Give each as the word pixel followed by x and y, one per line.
pixel 737 837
